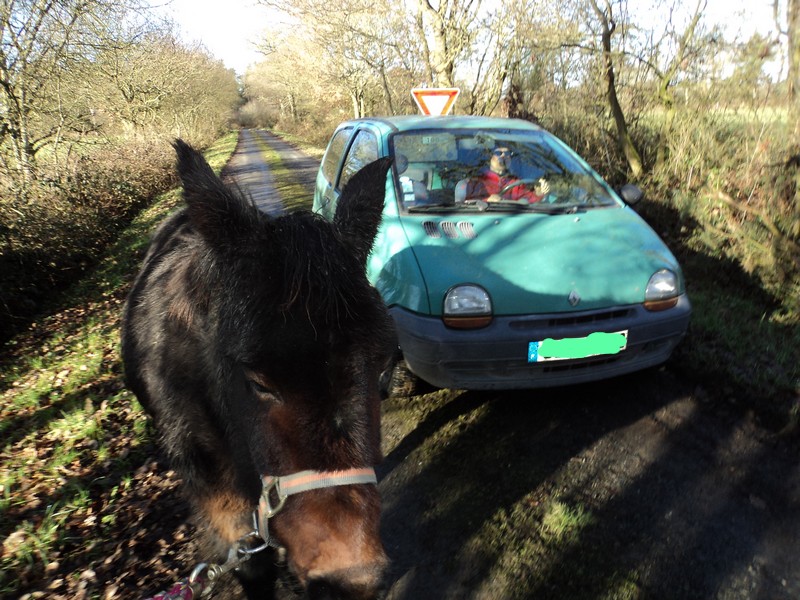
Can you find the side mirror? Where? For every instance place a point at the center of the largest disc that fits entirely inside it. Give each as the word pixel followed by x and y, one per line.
pixel 630 193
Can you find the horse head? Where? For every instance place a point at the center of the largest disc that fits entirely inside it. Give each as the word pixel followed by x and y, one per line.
pixel 256 344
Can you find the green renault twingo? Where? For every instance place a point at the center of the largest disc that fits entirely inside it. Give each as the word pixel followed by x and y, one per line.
pixel 504 259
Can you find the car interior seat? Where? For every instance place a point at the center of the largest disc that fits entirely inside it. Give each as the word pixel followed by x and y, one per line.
pixel 461 190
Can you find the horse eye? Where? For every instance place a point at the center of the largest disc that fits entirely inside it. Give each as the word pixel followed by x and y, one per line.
pixel 263 392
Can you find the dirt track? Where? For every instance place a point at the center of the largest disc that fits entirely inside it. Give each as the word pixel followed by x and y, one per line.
pixel 659 492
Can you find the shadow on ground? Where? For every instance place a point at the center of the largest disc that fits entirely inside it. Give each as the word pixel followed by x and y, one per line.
pixel 679 502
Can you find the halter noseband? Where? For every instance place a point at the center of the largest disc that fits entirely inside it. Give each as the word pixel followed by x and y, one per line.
pixel 203 577
pixel 287 485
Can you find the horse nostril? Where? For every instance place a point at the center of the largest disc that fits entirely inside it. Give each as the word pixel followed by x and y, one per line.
pixel 321 590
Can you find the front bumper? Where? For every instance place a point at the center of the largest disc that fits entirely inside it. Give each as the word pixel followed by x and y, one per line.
pixel 495 357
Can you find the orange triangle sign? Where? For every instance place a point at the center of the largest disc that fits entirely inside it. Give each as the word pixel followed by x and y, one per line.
pixel 435 101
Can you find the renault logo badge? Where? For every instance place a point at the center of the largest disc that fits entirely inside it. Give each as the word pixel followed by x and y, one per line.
pixel 574 298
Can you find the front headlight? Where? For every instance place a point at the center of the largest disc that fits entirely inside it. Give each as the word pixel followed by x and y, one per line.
pixel 467 306
pixel 662 291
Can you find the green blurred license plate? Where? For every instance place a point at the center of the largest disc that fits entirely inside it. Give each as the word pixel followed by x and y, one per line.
pixel 594 344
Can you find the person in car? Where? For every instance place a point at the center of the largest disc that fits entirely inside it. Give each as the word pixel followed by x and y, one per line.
pixel 497 175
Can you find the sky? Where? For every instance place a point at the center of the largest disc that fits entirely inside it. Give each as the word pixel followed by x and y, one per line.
pixel 229 28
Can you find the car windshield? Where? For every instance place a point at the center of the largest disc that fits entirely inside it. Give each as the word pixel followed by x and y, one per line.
pixel 446 170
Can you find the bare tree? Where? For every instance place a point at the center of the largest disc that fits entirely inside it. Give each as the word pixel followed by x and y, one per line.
pixel 158 86
pixel 385 49
pixel 358 42
pixel 447 30
pixel 686 49
pixel 44 44
pixel 792 33
pixel 608 25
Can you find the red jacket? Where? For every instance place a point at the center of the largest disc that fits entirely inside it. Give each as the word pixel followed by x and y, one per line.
pixel 489 182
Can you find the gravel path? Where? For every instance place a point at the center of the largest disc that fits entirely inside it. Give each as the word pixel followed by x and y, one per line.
pixel 248 170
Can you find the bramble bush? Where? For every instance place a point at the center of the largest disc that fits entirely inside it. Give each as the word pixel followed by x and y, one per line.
pixel 59 231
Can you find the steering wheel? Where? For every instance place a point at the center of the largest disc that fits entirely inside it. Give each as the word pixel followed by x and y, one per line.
pixel 516 183
pixel 481 205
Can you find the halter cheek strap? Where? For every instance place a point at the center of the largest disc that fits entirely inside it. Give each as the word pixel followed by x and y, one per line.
pixel 275 491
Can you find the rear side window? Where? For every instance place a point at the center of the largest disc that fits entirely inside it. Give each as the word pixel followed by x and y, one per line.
pixel 363 151
pixel 334 153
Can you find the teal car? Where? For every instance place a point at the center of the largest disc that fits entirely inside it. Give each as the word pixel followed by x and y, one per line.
pixel 532 274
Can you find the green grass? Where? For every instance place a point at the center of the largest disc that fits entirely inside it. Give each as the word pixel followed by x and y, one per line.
pixel 742 345
pixel 68 427
pixel 563 522
pixel 745 329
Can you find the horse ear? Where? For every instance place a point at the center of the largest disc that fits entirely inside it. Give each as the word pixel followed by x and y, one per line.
pixel 359 210
pixel 218 213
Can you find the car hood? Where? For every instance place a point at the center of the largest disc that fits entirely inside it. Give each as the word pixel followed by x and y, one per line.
pixel 534 263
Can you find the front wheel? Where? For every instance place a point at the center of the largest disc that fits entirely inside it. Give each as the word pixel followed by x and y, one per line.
pixel 398 381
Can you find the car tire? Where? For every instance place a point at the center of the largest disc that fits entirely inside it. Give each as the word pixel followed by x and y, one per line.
pixel 398 381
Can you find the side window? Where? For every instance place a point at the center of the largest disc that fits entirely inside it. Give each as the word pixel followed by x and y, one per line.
pixel 363 151
pixel 334 153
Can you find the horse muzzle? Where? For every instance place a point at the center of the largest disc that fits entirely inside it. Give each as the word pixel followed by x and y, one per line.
pixel 331 538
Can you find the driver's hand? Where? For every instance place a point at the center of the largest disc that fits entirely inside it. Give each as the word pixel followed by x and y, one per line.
pixel 494 198
pixel 543 187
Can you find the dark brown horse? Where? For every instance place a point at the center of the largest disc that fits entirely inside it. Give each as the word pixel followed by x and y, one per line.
pixel 256 344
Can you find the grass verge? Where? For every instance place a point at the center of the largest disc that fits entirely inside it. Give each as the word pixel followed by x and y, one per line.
pixel 72 434
pixel 742 343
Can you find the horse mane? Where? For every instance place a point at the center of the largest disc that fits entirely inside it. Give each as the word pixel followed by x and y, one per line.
pixel 321 276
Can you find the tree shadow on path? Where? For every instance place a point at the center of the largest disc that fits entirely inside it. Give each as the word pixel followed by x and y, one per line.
pixel 673 507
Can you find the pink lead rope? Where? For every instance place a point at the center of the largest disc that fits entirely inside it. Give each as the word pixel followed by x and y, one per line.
pixel 183 590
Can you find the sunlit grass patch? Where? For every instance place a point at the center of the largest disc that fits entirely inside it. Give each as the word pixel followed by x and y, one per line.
pixel 312 150
pixel 526 544
pixel 218 155
pixel 564 522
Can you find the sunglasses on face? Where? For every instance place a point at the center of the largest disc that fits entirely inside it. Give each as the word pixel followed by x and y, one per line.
pixel 499 152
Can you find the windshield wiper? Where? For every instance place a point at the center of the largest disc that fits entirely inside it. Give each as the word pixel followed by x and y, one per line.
pixel 503 206
pixel 433 207
pixel 565 209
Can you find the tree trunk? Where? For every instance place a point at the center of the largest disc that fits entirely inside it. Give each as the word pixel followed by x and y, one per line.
pixel 515 105
pixel 793 75
pixel 665 95
pixel 668 102
pixel 442 61
pixel 623 135
pixel 387 93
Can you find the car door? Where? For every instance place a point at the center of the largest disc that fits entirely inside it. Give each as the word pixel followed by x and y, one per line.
pixel 362 150
pixel 324 193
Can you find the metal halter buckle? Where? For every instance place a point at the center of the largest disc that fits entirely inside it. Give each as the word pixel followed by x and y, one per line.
pixel 269 510
pixel 303 481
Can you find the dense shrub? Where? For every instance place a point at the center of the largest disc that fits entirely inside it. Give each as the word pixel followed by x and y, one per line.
pixel 728 187
pixel 63 227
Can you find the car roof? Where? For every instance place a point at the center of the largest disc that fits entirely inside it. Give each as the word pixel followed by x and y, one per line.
pixel 404 123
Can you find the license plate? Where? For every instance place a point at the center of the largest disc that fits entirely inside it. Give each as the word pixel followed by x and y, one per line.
pixel 594 344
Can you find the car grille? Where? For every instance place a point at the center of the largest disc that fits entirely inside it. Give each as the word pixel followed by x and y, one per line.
pixel 567 320
pixel 431 229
